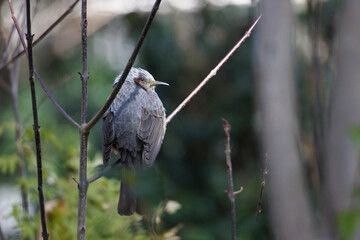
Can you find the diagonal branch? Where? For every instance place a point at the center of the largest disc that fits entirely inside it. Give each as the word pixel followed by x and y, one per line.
pixel 126 71
pixel 43 35
pixel 212 73
pixel 62 111
pixel 5 53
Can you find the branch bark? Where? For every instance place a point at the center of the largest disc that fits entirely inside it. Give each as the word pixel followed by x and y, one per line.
pixel 36 126
pixel 230 192
pixel 83 184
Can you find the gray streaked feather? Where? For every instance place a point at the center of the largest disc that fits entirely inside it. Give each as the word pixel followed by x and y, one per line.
pixel 151 132
pixel 108 135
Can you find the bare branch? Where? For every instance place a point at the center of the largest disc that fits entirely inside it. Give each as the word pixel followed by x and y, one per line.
pixel 211 74
pixel 84 75
pixel 5 53
pixel 14 76
pixel 36 126
pixel 43 35
pixel 264 173
pixel 130 63
pixel 62 111
pixel 230 192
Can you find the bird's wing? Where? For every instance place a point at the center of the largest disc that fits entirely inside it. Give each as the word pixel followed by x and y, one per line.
pixel 108 135
pixel 151 131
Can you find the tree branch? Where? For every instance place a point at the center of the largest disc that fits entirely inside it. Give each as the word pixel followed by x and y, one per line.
pixel 43 35
pixel 264 173
pixel 230 192
pixel 211 74
pixel 14 76
pixel 130 63
pixel 83 184
pixel 36 126
pixel 62 111
pixel 4 54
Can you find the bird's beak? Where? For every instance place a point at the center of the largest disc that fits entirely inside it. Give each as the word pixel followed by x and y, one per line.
pixel 157 83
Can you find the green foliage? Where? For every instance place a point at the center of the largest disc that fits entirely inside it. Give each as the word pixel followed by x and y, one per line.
pixel 9 164
pixel 25 223
pixel 347 222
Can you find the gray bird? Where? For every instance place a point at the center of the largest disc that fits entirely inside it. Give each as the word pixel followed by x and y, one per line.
pixel 134 127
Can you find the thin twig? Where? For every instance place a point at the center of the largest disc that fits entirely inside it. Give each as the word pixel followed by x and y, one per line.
pixel 264 173
pixel 211 74
pixel 36 126
pixel 44 97
pixel 7 44
pixel 130 63
pixel 61 110
pixel 43 35
pixel 230 192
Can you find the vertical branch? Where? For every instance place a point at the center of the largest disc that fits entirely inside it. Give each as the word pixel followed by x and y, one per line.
pixel 317 89
pixel 36 126
pixel 1 235
pixel 29 38
pixel 230 192
pixel 14 74
pixel 264 173
pixel 83 184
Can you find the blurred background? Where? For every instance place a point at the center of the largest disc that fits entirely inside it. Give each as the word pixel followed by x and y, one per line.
pixel 185 187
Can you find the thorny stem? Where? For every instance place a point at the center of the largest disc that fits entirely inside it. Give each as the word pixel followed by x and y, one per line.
pixel 212 73
pixel 36 126
pixel 230 192
pixel 43 35
pixel 126 71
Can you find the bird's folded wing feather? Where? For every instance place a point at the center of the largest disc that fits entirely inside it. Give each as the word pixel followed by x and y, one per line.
pixel 151 131
pixel 108 135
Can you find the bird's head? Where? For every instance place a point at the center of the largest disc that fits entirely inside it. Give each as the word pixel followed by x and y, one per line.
pixel 144 79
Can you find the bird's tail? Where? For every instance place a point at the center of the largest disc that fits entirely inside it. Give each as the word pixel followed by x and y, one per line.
pixel 129 201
